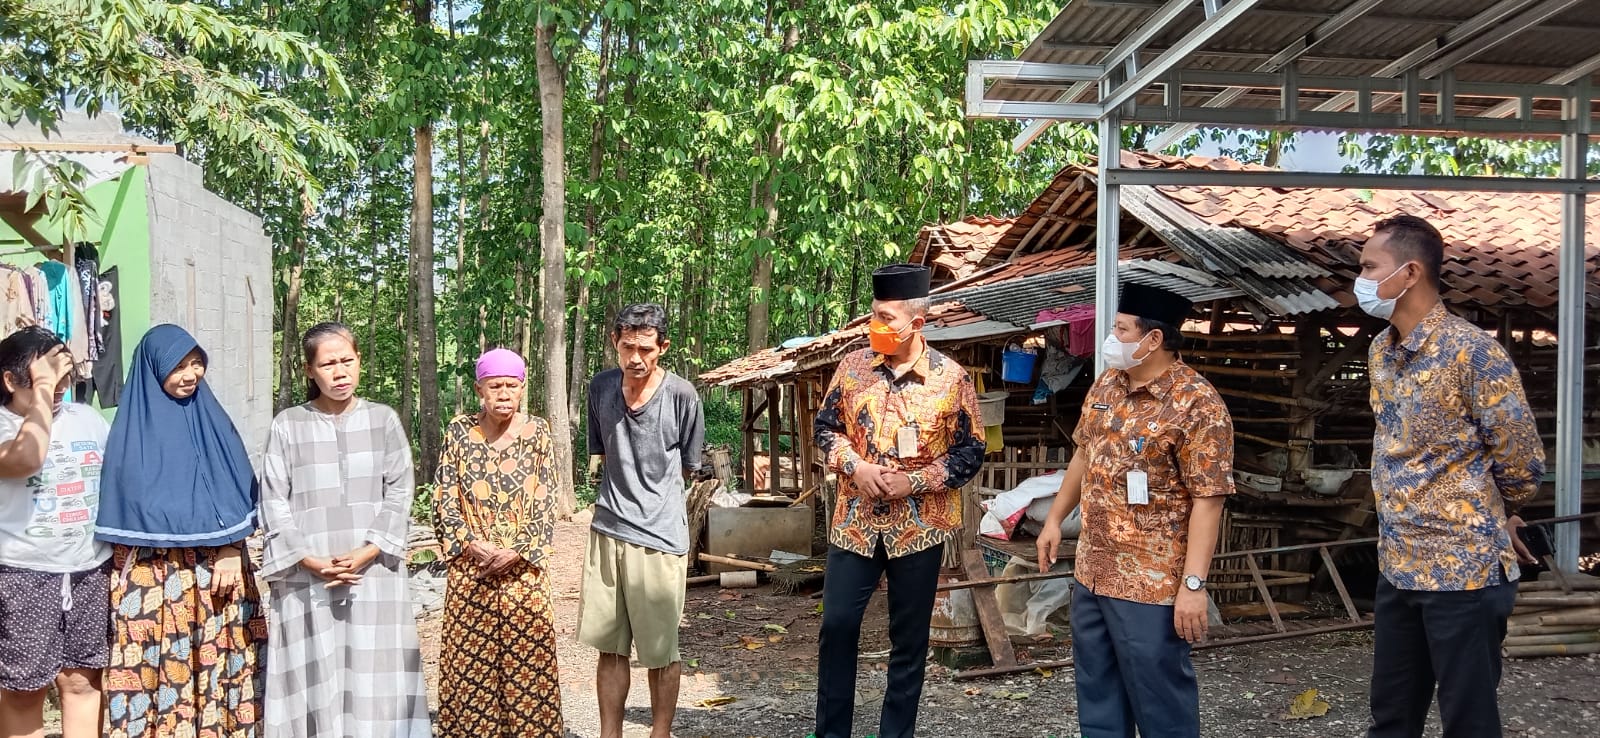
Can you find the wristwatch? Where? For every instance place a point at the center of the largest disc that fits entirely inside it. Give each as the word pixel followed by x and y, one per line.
pixel 1193 583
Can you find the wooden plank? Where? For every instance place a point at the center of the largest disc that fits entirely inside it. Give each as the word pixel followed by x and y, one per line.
pixel 1204 645
pixel 994 627
pixel 749 436
pixel 1338 584
pixel 740 563
pixel 774 429
pixel 1266 597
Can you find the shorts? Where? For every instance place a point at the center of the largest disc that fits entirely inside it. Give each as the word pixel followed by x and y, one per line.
pixel 632 600
pixel 52 622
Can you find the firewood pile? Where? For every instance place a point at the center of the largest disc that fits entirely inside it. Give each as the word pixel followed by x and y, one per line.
pixel 1558 616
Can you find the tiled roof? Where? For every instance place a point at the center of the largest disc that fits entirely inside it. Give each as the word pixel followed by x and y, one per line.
pixel 1294 251
pixel 956 250
pixel 1501 248
pixel 820 351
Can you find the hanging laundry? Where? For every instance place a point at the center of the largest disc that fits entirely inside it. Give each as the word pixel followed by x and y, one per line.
pixel 78 325
pixel 1080 320
pixel 16 307
pixel 107 375
pixel 86 259
pixel 39 292
pixel 61 322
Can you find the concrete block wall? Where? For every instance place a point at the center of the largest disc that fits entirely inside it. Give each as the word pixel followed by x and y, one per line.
pixel 211 272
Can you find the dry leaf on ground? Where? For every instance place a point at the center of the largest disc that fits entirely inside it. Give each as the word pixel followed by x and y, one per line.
pixel 1305 706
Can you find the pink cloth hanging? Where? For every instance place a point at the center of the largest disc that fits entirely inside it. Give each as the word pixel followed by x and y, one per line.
pixel 1080 322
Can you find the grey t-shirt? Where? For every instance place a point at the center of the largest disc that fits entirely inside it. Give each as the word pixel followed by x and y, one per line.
pixel 647 451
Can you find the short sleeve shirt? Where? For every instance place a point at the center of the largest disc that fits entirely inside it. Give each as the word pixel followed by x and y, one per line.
pixel 1179 433
pixel 47 518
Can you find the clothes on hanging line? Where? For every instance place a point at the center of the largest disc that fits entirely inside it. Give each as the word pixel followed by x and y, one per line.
pixel 65 300
pixel 16 304
pixel 86 263
pixel 107 375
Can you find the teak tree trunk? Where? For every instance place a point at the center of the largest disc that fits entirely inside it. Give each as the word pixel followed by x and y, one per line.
pixel 553 263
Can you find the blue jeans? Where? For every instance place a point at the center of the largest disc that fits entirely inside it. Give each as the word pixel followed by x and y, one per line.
pixel 1132 670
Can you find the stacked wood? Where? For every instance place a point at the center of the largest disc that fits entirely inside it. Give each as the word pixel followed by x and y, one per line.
pixel 1555 618
pixel 698 502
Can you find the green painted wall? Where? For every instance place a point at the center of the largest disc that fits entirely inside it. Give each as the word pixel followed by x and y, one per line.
pixel 123 241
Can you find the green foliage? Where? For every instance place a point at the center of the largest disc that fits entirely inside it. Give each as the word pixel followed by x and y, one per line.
pixel 1455 156
pixel 184 68
pixel 422 504
pixel 723 416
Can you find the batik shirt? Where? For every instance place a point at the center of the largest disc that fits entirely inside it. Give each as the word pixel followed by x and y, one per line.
pixel 502 496
pixel 860 421
pixel 1455 441
pixel 1178 432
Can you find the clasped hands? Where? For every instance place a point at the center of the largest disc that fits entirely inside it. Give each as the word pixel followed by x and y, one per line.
pixel 492 562
pixel 878 482
pixel 342 569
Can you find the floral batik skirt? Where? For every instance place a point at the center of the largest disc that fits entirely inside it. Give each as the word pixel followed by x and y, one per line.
pixel 497 662
pixel 184 663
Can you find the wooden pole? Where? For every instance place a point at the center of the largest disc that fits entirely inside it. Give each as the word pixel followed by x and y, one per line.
pixel 1304 431
pixel 1571 649
pixel 749 435
pixel 1553 639
pixel 740 563
pixel 1534 630
pixel 1219 643
pixel 774 429
pixel 1554 600
pixel 1577 585
pixel 1546 616
pixel 1572 619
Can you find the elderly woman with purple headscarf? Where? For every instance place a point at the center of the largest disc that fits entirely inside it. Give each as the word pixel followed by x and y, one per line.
pixel 495 514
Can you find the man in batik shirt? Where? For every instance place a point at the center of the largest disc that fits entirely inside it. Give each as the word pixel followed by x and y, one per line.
pixel 1455 452
pixel 1153 466
pixel 899 426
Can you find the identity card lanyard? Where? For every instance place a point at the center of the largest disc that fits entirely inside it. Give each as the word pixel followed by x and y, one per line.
pixel 1138 479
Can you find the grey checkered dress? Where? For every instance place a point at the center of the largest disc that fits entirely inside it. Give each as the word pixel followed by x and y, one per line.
pixel 341 663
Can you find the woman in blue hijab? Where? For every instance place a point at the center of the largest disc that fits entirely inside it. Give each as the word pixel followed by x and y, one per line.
pixel 178 501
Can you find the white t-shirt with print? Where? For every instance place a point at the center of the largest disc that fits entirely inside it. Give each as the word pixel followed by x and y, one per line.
pixel 47 518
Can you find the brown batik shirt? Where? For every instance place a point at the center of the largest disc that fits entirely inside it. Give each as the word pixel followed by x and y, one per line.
pixel 501 494
pixel 1178 432
pixel 861 418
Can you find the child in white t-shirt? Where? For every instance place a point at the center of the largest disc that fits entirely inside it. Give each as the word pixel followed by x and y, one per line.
pixel 54 577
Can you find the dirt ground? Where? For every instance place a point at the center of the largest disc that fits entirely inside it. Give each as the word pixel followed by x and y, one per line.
pixel 750 673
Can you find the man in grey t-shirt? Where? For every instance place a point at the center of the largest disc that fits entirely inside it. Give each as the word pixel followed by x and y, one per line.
pixel 647 424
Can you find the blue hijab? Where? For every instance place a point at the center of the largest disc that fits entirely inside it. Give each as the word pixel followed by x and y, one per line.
pixel 176 473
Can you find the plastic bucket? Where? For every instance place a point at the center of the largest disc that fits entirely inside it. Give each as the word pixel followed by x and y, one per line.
pixel 1017 366
pixel 992 407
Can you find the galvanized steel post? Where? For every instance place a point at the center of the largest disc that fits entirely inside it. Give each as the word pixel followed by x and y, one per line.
pixel 1570 337
pixel 1108 221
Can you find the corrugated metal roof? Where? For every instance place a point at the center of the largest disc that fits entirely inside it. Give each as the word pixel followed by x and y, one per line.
pixel 1085 30
pixel 1019 301
pixel 971 331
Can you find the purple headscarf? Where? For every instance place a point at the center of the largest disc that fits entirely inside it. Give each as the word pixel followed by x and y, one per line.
pixel 502 363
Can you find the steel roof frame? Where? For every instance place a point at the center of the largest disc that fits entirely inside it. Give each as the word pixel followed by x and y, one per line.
pixel 1422 77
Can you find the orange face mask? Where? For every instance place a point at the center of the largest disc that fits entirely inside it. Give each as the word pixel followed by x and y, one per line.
pixel 886 340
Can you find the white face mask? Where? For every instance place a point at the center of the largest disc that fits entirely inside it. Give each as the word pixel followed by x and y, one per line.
pixel 1119 355
pixel 1366 291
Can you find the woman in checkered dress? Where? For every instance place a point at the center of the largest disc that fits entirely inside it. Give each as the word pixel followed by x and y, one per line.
pixel 336 486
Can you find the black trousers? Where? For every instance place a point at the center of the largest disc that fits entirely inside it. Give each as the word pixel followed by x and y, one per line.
pixel 851 580
pixel 1451 639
